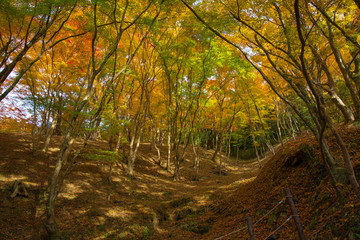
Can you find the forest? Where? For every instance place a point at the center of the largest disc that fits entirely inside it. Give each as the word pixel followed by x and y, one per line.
pixel 178 119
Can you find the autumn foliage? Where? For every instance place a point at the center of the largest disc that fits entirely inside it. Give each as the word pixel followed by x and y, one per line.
pixel 237 78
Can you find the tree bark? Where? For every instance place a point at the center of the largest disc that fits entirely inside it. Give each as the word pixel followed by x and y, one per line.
pixel 195 146
pixel 49 135
pixel 50 222
pixel 169 150
pixel 134 146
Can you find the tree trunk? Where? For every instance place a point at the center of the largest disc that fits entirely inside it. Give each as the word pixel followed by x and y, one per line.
pixel 153 138
pixel 322 113
pixel 50 222
pixel 291 125
pixel 131 160
pixel 134 146
pixel 348 166
pixel 154 146
pixel 110 171
pixel 220 159
pixel 177 165
pixel 219 139
pixel 237 153
pixel 345 73
pixel 229 150
pixel 117 147
pixel 270 147
pixel 58 124
pixel 169 150
pixel 256 150
pixel 49 135
pixel 196 159
pixel 278 123
pixel 346 112
pixel 335 98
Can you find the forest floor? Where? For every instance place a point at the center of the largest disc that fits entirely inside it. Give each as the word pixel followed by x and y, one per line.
pixel 153 206
pixel 89 207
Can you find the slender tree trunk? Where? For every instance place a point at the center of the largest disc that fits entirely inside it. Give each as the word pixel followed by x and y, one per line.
pixel 291 124
pixel 49 135
pixel 68 163
pixel 220 159
pixel 58 123
pixel 197 168
pixel 131 159
pixel 348 165
pixel 110 172
pixel 34 130
pixel 68 151
pixel 229 150
pixel 134 146
pixel 270 146
pixel 154 146
pixel 278 124
pixel 348 115
pixel 219 139
pixel 118 143
pixel 196 159
pixel 169 150
pixel 176 164
pixel 50 223
pixel 111 166
pixel 253 138
pixel 153 137
pixel 216 141
pixel 256 150
pixel 158 154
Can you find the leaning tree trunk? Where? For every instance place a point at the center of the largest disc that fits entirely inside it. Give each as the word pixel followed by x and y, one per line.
pixel 49 135
pixel 50 222
pixel 327 164
pixel 348 166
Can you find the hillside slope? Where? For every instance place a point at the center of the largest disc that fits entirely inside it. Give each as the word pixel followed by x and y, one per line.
pixel 296 166
pixel 90 208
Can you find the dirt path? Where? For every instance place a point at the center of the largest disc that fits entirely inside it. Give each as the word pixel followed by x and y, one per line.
pixel 91 208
